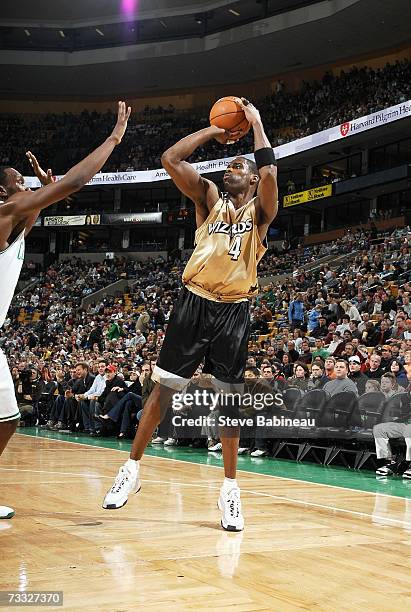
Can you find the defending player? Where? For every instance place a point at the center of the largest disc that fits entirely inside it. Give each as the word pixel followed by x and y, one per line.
pixel 19 209
pixel 211 317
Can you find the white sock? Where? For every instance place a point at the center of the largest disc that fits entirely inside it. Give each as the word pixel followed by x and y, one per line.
pixel 132 464
pixel 229 483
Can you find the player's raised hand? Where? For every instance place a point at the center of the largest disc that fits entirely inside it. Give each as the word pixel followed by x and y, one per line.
pixel 122 119
pixel 251 113
pixel 45 178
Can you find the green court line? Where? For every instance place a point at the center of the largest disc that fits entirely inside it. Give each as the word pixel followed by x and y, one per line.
pixel 307 472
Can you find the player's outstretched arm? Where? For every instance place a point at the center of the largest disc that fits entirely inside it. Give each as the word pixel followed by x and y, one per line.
pixel 77 177
pixel 202 192
pixel 267 187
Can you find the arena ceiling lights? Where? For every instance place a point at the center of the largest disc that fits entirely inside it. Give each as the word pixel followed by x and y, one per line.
pixel 115 23
pixel 97 56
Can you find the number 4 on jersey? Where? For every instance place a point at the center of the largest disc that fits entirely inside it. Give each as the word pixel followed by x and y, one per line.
pixel 235 248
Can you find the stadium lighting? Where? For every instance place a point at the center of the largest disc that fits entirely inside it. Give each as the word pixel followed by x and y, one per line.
pixel 128 7
pixel 99 32
pixel 62 34
pixel 233 12
pixel 27 32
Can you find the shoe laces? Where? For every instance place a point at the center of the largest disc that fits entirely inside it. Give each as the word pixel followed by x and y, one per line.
pixel 234 503
pixel 121 478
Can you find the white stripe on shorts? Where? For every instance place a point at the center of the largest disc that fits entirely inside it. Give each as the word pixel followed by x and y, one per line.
pixel 168 379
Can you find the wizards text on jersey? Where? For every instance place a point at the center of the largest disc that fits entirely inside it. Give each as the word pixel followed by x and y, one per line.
pixel 231 229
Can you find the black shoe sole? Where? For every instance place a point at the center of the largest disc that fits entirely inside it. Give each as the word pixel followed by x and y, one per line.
pixel 113 507
pixel 231 528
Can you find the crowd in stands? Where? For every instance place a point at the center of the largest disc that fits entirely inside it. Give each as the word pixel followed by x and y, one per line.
pixel 340 326
pixel 287 116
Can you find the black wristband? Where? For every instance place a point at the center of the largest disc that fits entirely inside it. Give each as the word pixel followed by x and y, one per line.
pixel 264 157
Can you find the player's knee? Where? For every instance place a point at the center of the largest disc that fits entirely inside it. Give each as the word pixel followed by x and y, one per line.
pixel 10 426
pixel 378 430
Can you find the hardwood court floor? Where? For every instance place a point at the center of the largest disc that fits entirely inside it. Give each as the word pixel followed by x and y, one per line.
pixel 307 546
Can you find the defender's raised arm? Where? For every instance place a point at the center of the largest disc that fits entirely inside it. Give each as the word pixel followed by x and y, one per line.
pixel 21 203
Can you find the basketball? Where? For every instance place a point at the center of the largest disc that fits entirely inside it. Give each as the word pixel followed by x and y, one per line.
pixel 227 114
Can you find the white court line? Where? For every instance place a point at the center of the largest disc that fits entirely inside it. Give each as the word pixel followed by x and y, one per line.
pixel 218 467
pixel 83 475
pixel 217 488
pixel 38 482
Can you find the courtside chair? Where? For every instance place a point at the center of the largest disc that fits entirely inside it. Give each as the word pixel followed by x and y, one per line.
pixel 370 406
pixel 310 406
pixel 396 408
pixel 340 415
pixel 286 440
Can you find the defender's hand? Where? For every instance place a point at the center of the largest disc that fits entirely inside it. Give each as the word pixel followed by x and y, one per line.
pixel 122 119
pixel 45 178
pixel 251 113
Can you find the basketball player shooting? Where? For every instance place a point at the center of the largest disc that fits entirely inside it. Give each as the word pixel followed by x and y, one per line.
pixel 211 317
pixel 19 209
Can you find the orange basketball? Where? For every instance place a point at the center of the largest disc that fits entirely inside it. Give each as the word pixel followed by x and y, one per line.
pixel 227 114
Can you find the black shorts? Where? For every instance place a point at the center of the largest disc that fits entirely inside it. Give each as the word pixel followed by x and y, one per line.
pixel 202 329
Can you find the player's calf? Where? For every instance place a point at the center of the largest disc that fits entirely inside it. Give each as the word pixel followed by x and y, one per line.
pixel 7 429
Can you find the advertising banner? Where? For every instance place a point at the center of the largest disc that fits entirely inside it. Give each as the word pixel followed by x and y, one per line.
pixel 64 220
pixel 103 219
pixel 131 218
pixel 338 132
pixel 307 196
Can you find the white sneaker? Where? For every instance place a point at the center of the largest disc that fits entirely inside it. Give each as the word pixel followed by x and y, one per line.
pixel 216 447
pixel 126 483
pixel 242 450
pixel 229 503
pixel 407 474
pixel 6 512
pixel 158 440
pixel 258 452
pixel 386 470
pixel 170 442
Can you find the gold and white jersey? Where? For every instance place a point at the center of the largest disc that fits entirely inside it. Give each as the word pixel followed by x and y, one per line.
pixel 223 265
